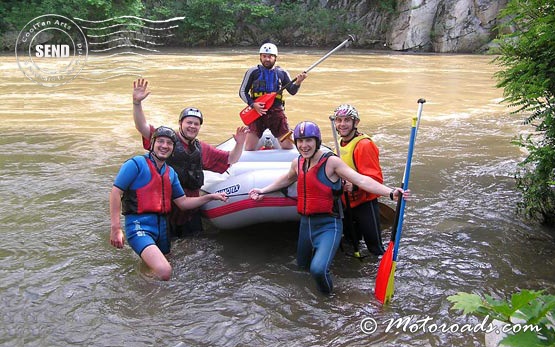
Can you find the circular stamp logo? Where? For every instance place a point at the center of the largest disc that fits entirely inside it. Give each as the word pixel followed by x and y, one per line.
pixel 51 50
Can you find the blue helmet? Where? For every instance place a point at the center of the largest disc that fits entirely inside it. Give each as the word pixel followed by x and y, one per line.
pixel 307 129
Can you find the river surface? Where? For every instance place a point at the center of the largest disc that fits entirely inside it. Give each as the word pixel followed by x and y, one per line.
pixel 64 285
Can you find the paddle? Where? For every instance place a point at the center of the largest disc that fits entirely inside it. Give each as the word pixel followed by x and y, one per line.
pixel 249 114
pixel 386 270
pixel 348 216
pixel 387 216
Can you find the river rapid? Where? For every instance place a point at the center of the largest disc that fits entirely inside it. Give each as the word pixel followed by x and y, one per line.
pixel 64 285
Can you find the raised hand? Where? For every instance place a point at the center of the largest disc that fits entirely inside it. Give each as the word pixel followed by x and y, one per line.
pixel 139 90
pixel 241 134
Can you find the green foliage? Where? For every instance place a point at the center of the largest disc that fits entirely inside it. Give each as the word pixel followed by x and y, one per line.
pixel 206 22
pixel 217 22
pixel 305 24
pixel 525 307
pixel 527 59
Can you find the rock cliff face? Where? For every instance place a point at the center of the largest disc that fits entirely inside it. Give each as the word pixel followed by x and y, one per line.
pixel 442 26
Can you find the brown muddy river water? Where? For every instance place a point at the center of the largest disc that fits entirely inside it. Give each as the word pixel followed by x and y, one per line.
pixel 64 285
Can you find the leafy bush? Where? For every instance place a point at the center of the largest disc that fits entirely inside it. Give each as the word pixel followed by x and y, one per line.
pixel 527 59
pixel 526 307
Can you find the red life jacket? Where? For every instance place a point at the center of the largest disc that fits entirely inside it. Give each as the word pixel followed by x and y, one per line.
pixel 314 196
pixel 154 197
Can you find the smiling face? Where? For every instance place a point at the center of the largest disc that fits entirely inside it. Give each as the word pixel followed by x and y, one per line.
pixel 345 126
pixel 163 147
pixel 306 146
pixel 267 60
pixel 190 126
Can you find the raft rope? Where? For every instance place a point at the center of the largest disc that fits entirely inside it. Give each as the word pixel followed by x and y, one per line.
pixel 282 191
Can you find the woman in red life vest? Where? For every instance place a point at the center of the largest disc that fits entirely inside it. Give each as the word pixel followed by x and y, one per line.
pixel 318 175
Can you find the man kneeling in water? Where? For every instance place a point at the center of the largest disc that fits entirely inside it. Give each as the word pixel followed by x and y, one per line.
pixel 143 192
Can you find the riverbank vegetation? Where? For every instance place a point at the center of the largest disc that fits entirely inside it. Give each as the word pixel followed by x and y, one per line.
pixel 527 59
pixel 205 23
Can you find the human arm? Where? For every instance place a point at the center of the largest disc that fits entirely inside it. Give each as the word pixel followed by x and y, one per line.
pixel 293 88
pixel 367 159
pixel 139 94
pixel 189 203
pixel 125 179
pixel 367 163
pixel 240 137
pixel 244 91
pixel 337 168
pixel 116 234
pixel 282 181
pixel 246 85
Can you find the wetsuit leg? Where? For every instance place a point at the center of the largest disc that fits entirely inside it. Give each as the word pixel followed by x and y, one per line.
pixel 325 234
pixel 147 229
pixel 367 216
pixel 304 244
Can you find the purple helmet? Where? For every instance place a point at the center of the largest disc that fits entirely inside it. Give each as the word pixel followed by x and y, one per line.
pixel 307 129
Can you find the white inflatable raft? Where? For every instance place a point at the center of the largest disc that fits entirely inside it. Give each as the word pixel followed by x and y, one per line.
pixel 255 169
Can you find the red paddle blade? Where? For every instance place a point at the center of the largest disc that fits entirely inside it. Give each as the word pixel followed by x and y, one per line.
pixel 249 114
pixel 384 272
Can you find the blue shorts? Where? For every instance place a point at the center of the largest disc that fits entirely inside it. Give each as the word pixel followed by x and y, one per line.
pixel 143 230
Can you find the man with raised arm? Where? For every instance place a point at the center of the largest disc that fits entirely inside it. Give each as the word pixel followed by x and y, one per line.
pixel 190 157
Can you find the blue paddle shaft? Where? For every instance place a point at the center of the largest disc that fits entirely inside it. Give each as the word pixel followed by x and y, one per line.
pixel 412 140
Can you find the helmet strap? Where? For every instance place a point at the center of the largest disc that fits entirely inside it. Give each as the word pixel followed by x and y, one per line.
pixel 183 134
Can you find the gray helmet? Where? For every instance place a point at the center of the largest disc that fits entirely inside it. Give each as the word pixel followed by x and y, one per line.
pixel 165 132
pixel 191 112
pixel 345 110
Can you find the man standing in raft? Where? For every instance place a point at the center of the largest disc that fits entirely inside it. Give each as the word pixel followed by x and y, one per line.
pixel 143 192
pixel 362 155
pixel 318 175
pixel 263 79
pixel 191 156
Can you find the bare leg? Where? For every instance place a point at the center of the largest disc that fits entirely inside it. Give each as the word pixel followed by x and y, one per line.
pixel 251 142
pixel 157 262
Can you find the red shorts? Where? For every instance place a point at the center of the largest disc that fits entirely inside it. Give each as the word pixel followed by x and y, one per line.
pixel 274 119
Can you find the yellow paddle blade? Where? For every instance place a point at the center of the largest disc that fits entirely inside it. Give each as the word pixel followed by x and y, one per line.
pixel 390 283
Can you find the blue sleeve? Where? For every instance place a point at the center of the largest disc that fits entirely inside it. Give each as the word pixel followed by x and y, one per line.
pixel 126 175
pixel 177 190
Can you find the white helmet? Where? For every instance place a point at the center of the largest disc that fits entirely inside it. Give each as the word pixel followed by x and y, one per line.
pixel 268 48
pixel 345 110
